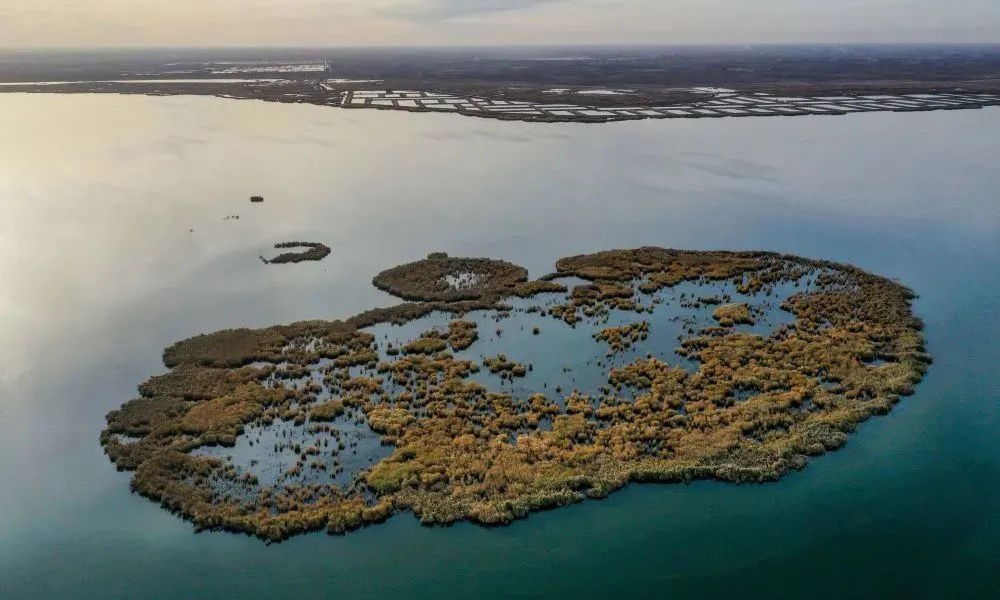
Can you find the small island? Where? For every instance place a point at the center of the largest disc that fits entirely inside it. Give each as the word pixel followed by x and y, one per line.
pixel 442 278
pixel 732 366
pixel 313 251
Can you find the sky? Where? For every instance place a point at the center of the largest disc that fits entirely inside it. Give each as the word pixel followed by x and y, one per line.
pixel 204 23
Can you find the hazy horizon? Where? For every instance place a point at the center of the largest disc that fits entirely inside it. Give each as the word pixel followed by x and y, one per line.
pixel 511 46
pixel 135 24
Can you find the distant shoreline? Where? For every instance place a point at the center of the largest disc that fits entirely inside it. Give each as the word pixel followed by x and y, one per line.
pixel 578 104
pixel 551 84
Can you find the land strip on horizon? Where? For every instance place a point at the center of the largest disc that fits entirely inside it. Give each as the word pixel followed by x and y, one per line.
pixel 548 85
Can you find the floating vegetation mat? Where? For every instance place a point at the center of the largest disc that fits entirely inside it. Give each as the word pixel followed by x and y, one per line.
pixel 494 396
pixel 310 251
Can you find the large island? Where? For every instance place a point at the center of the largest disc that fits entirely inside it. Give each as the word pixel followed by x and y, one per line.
pixel 671 366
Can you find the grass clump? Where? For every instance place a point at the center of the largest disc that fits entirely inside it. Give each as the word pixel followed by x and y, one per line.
pixel 327 411
pixel 425 345
pixel 506 368
pixel 622 338
pixel 733 314
pixel 528 289
pixel 462 334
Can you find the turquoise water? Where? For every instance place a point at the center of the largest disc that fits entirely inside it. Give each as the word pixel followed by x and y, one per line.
pixel 100 269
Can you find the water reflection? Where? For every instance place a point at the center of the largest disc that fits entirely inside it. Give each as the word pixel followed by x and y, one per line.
pixel 113 244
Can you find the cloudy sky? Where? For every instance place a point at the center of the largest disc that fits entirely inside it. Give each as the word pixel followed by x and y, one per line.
pixel 103 23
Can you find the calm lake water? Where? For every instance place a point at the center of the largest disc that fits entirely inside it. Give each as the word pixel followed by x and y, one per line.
pixel 114 243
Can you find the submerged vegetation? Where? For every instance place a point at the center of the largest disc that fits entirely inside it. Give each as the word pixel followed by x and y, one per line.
pixel 752 407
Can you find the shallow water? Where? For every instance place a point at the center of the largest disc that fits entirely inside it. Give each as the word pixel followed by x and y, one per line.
pixel 565 359
pixel 566 356
pixel 114 244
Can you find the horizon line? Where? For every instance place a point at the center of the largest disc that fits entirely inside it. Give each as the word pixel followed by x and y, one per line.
pixel 610 45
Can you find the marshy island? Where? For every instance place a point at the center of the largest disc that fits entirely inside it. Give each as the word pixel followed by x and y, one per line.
pixel 308 251
pixel 488 395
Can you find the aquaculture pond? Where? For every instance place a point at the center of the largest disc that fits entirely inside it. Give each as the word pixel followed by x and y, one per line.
pixel 116 244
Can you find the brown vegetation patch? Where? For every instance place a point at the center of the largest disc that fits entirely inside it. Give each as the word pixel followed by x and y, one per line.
pixel 326 411
pixel 622 338
pixel 528 289
pixel 313 251
pixel 429 344
pixel 442 278
pixel 462 334
pixel 506 368
pixel 732 314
